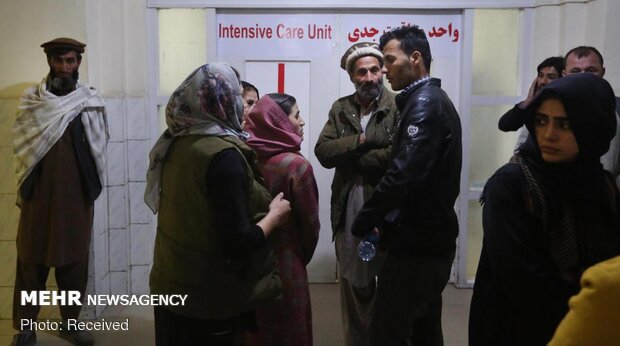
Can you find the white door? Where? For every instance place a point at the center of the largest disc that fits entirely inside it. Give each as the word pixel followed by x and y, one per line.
pixel 289 77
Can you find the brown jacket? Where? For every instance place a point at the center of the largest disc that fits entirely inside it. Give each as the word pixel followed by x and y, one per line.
pixel 337 147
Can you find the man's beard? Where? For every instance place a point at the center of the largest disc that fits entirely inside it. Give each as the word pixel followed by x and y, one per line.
pixel 63 85
pixel 369 90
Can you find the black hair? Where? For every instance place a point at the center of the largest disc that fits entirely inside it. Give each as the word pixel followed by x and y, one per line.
pixel 557 62
pixel 285 101
pixel 249 86
pixel 582 51
pixel 412 39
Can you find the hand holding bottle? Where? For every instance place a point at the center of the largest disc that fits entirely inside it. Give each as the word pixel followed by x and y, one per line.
pixel 367 248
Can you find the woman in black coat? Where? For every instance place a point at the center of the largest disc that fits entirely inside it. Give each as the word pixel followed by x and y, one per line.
pixel 548 215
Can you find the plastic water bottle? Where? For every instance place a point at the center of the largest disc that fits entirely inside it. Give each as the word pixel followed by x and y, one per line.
pixel 367 249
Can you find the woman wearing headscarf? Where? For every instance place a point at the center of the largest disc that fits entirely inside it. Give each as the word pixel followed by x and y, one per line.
pixel 250 97
pixel 548 215
pixel 214 216
pixel 276 132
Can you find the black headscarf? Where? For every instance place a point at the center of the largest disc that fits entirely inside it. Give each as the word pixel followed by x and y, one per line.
pixel 572 196
pixel 590 106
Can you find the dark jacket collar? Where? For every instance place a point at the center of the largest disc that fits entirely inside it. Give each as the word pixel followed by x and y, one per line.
pixel 401 99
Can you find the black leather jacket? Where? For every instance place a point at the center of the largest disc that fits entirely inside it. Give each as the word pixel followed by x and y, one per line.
pixel 413 204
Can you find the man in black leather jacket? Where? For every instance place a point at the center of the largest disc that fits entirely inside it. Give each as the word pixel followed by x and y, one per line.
pixel 412 207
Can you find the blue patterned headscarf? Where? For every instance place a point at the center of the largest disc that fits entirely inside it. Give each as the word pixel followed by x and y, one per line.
pixel 208 102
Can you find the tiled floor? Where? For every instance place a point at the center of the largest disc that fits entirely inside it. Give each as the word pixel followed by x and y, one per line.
pixel 325 312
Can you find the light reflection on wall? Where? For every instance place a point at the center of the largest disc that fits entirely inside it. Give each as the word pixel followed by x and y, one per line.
pixel 495 67
pixel 182 45
pixel 496 52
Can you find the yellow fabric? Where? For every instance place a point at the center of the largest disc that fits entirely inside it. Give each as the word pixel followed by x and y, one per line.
pixel 594 316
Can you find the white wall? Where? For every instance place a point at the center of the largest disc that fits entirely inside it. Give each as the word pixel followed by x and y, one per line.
pixel 558 28
pixel 610 44
pixel 24 25
pixel 117 34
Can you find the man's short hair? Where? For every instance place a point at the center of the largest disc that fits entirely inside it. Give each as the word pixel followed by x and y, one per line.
pixel 582 51
pixel 412 39
pixel 63 45
pixel 557 62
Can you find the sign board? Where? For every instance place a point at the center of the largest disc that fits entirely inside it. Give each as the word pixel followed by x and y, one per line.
pixel 297 35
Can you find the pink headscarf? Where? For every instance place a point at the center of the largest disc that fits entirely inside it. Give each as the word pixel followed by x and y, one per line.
pixel 270 129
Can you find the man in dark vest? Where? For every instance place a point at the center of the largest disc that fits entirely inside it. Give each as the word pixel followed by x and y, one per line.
pixel 59 139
